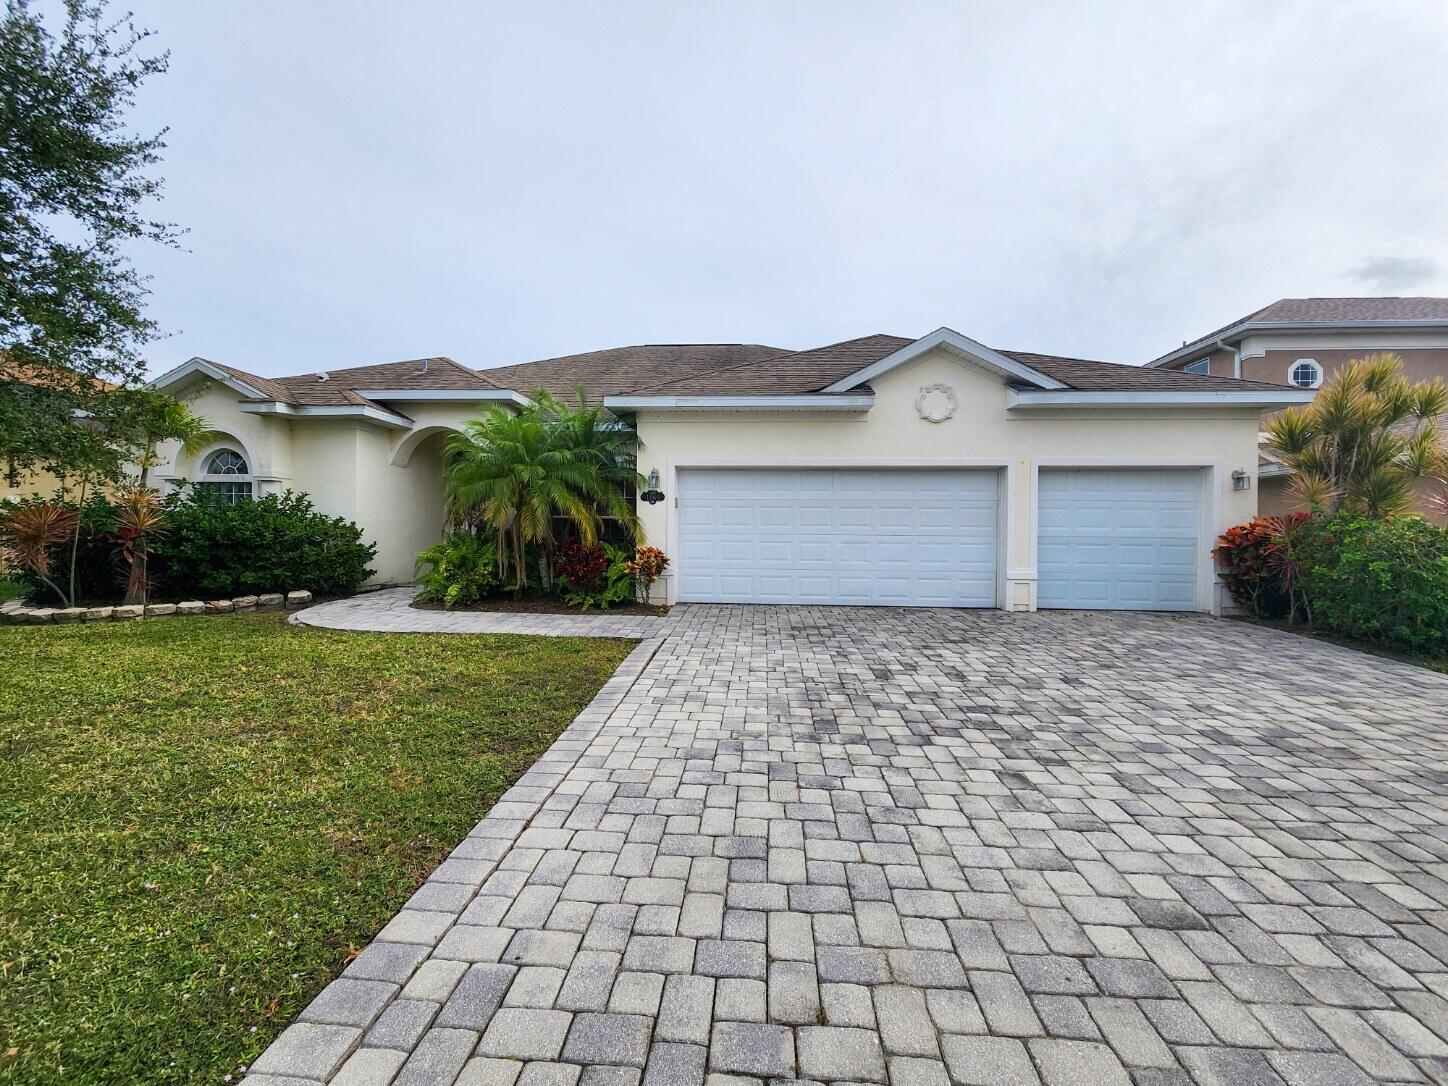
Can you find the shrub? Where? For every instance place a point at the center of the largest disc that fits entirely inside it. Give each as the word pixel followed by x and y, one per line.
pixel 580 568
pixel 1383 581
pixel 594 576
pixel 272 544
pixel 646 567
pixel 462 569
pixel 1256 564
pixel 99 576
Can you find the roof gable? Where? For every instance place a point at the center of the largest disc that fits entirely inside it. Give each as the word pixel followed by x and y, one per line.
pixel 962 347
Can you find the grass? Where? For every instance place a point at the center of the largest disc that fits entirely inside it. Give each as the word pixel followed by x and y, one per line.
pixel 201 819
pixel 10 590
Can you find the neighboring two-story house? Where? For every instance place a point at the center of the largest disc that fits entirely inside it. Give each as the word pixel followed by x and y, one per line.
pixel 1302 341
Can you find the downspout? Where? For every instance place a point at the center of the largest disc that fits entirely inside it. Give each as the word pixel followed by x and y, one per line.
pixel 1236 358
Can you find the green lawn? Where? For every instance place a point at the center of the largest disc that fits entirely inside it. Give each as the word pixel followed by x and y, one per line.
pixel 10 590
pixel 201 818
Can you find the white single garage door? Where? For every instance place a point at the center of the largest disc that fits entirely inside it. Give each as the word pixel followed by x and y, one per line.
pixel 1118 539
pixel 921 538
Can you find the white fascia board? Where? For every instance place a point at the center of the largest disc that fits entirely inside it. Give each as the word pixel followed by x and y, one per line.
pixel 202 366
pixel 809 402
pixel 1086 398
pixel 439 395
pixel 952 340
pixel 376 415
pixel 1238 331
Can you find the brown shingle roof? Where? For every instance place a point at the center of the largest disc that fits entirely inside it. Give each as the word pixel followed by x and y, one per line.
pixel 265 385
pixel 1333 311
pixel 1083 374
pixel 424 374
pixel 618 370
pixel 700 369
pixel 785 373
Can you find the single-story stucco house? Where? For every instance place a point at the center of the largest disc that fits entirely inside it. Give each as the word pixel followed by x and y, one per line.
pixel 879 470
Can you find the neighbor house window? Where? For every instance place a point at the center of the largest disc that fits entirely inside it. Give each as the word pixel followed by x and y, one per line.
pixel 1305 373
pixel 227 476
pixel 1201 365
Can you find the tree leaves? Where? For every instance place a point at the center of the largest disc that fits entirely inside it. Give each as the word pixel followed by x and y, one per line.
pixel 1366 439
pixel 74 186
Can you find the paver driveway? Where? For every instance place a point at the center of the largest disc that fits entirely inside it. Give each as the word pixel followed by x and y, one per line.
pixel 937 846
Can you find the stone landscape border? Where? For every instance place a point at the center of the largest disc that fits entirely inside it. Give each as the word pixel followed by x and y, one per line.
pixel 15 613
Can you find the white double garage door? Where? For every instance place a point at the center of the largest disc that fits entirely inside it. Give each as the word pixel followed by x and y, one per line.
pixel 1107 537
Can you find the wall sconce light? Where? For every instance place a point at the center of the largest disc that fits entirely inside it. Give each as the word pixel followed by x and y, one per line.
pixel 653 495
pixel 1241 480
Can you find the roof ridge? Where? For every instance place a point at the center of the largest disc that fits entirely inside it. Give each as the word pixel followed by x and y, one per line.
pixel 627 347
pixel 340 373
pixel 465 369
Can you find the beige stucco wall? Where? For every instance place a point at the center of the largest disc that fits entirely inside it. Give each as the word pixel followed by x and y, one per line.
pixel 387 480
pixel 29 483
pixel 981 434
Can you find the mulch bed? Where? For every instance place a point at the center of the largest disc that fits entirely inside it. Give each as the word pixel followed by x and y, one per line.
pixel 546 605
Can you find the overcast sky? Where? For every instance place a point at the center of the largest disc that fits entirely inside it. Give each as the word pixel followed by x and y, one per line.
pixel 366 182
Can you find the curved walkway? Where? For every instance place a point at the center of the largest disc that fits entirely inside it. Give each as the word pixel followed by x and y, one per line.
pixel 390 610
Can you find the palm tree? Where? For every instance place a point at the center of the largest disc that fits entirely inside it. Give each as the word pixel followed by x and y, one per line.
pixel 140 518
pixel 1366 440
pixel 172 421
pixel 597 436
pixel 518 471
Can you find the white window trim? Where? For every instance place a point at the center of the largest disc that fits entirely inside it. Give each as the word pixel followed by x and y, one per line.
pixel 205 475
pixel 1314 363
pixel 1201 365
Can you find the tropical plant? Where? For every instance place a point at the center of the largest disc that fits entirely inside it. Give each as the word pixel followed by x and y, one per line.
pixel 169 420
pixel 596 436
pixel 1258 566
pixel 596 576
pixel 460 570
pixel 646 566
pixel 31 531
pixel 517 472
pixel 1366 440
pixel 140 520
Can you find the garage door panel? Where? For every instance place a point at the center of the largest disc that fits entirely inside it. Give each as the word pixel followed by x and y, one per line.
pixel 838 536
pixel 1118 538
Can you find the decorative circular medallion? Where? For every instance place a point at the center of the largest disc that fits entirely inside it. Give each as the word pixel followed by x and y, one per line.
pixel 936 403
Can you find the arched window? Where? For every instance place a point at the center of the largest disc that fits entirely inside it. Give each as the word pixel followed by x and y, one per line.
pixel 227 475
pixel 1305 373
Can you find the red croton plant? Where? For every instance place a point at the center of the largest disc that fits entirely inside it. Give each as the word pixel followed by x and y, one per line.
pixel 1258 566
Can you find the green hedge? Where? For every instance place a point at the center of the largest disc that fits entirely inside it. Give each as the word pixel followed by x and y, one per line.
pixel 213 549
pixel 1383 581
pixel 273 544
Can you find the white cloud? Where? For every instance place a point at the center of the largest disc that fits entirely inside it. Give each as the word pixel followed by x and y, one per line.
pixel 502 183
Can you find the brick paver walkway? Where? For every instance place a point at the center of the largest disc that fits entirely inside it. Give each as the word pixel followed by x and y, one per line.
pixel 390 610
pixel 931 847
